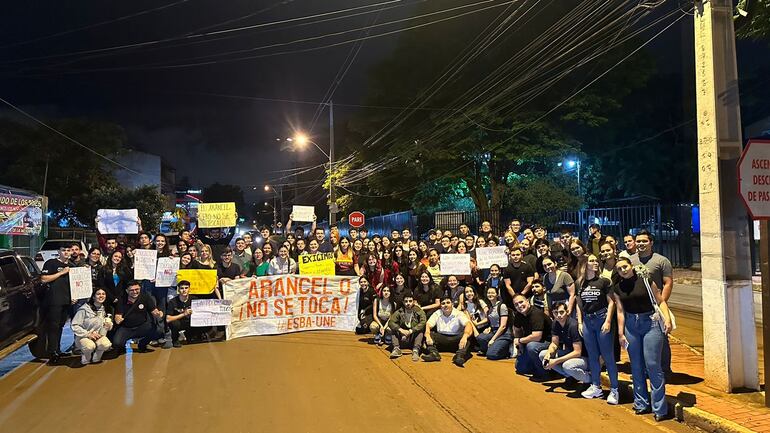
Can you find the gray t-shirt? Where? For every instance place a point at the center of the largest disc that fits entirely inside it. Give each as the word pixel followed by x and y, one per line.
pixel 494 316
pixel 557 291
pixel 658 265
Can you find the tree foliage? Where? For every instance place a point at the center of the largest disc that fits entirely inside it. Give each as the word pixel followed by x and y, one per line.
pixel 758 22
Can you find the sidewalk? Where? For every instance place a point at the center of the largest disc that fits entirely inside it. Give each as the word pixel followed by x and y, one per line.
pixel 696 404
pixel 693 277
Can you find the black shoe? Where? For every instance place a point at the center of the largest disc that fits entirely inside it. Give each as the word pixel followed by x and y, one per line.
pixel 143 349
pixel 659 418
pixel 431 357
pixel 644 411
pixel 64 354
pixel 54 359
pixel 177 344
pixel 570 383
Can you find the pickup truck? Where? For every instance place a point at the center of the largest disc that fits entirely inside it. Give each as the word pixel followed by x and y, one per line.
pixel 21 295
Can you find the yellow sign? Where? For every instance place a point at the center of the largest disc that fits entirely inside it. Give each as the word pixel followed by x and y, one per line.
pixel 202 281
pixel 316 264
pixel 213 215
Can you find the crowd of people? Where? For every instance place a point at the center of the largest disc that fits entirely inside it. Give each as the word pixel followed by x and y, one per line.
pixel 560 308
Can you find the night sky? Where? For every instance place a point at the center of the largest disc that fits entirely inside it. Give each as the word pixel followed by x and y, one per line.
pixel 208 138
pixel 167 112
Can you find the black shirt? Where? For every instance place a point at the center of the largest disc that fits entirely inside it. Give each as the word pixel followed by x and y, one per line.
pixel 140 313
pixel 568 334
pixel 230 272
pixel 176 307
pixel 536 320
pixel 593 294
pixel 59 289
pixel 424 298
pixel 633 295
pixel 518 276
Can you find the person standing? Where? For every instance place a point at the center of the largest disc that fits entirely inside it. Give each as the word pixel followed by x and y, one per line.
pixel 595 239
pixel 595 309
pixel 57 300
pixel 630 243
pixel 662 273
pixel 517 277
pixel 642 331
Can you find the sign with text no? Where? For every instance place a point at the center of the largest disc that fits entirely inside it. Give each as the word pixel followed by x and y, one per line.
pixel 356 219
pixel 754 178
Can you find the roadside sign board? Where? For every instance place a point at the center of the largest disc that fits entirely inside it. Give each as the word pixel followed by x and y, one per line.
pixel 754 178
pixel 356 219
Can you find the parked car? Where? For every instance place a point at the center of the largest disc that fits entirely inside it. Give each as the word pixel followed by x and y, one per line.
pixel 21 295
pixel 50 250
pixel 665 231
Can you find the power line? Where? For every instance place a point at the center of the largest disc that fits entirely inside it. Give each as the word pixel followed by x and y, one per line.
pixel 199 35
pixel 91 26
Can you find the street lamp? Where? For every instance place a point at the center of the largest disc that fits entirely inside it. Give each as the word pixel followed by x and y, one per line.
pixel 301 141
pixel 572 164
pixel 276 194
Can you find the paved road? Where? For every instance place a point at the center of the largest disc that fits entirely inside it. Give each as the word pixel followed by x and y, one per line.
pixel 306 382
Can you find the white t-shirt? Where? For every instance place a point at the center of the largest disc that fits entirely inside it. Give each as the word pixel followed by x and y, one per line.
pixel 453 324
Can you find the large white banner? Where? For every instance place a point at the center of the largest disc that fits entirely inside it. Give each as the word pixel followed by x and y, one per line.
pixel 455 264
pixel 486 257
pixel 281 304
pixel 81 286
pixel 165 273
pixel 144 264
pixel 114 221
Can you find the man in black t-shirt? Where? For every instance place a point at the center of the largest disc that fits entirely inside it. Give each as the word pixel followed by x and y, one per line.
pixel 565 353
pixel 135 316
pixel 178 312
pixel 57 300
pixel 517 276
pixel 532 333
pixel 226 269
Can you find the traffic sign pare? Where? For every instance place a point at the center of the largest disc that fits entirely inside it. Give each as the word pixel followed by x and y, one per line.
pixel 356 219
pixel 754 178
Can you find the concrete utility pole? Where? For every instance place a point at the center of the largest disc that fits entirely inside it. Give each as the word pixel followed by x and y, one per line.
pixel 730 346
pixel 332 198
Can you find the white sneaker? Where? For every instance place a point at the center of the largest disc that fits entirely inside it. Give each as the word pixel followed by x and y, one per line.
pixel 613 397
pixel 85 359
pixel 593 391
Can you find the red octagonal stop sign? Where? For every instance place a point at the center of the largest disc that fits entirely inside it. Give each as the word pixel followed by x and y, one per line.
pixel 356 219
pixel 754 178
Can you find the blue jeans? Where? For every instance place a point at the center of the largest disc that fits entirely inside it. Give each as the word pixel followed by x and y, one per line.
pixel 528 361
pixel 500 349
pixel 144 332
pixel 576 368
pixel 645 348
pixel 598 343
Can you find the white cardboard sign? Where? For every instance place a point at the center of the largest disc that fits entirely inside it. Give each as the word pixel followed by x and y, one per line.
pixel 302 213
pixel 455 264
pixel 81 286
pixel 211 312
pixel 165 274
pixel 118 221
pixel 486 257
pixel 145 262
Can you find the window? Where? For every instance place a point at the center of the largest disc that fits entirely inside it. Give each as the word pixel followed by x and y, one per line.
pixel 31 266
pixel 11 272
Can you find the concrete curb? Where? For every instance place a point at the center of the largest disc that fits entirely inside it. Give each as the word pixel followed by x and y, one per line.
pixel 688 415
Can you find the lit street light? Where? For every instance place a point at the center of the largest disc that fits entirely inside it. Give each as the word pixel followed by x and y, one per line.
pixel 301 140
pixel 572 164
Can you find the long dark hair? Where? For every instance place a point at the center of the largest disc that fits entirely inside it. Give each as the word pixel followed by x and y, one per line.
pixel 122 267
pixel 92 300
pixel 166 250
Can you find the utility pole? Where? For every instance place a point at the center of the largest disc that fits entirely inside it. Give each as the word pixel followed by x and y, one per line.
pixel 332 198
pixel 730 349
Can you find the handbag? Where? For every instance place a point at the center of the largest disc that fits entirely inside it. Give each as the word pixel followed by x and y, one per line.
pixel 658 312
